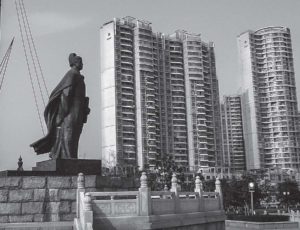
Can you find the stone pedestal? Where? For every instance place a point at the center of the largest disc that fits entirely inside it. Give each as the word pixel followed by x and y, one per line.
pixel 70 166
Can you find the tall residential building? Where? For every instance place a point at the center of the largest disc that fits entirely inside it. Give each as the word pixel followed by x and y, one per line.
pixel 202 102
pixel 233 138
pixel 269 98
pixel 159 97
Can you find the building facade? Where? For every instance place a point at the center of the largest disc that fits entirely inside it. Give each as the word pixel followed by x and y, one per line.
pixel 269 98
pixel 233 137
pixel 159 97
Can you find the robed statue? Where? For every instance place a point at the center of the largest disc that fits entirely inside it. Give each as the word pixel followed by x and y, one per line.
pixel 65 114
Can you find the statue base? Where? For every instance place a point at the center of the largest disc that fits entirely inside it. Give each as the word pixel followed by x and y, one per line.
pixel 70 166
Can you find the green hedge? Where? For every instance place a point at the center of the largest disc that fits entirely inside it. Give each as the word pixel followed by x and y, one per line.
pixel 258 218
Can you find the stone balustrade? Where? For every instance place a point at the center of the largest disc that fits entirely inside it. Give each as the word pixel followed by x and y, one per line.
pixel 144 202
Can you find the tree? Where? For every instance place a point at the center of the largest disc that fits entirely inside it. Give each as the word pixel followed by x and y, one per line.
pixel 209 185
pixel 288 193
pixel 161 175
pixel 236 192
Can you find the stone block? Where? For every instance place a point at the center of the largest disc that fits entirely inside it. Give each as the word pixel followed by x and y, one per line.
pixel 20 218
pixel 90 181
pixel 73 206
pixel 32 207
pixel 54 217
pixel 20 195
pixel 52 207
pixel 10 208
pixel 39 194
pixel 67 217
pixel 94 190
pixel 3 219
pixel 34 182
pixel 2 182
pixel 67 194
pixel 65 207
pixel 13 181
pixel 53 194
pixel 74 182
pixel 59 182
pixel 38 218
pixel 3 195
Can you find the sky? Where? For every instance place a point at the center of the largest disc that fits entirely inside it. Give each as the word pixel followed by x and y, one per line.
pixel 65 26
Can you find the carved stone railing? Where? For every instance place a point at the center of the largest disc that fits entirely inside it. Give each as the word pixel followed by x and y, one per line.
pixel 115 203
pixel 143 202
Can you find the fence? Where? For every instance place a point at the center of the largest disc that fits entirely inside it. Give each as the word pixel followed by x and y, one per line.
pixel 144 202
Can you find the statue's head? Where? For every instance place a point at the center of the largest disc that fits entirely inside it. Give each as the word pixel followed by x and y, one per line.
pixel 75 61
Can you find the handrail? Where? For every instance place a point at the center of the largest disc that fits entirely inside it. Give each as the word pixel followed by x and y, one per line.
pixel 161 193
pixel 122 193
pixel 194 195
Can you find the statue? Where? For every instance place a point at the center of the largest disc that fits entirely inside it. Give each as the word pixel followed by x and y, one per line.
pixel 65 114
pixel 20 164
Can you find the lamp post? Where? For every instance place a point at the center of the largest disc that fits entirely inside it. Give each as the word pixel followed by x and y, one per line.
pixel 286 194
pixel 251 190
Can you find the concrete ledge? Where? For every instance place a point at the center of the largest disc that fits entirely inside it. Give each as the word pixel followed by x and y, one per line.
pixel 14 173
pixel 62 225
pixel 171 221
pixel 240 225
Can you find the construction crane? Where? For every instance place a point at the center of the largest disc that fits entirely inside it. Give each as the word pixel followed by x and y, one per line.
pixel 4 63
pixel 32 61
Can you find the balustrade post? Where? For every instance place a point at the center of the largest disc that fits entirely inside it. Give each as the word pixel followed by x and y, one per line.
pixel 292 215
pixel 166 189
pixel 80 188
pixel 174 184
pixel 174 189
pixel 198 186
pixel 87 202
pixel 88 212
pixel 144 197
pixel 199 190
pixel 219 190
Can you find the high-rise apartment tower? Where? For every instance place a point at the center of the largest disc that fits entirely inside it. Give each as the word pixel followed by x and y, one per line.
pixel 233 138
pixel 269 98
pixel 159 97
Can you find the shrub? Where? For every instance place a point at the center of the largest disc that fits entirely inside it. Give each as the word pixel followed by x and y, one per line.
pixel 258 218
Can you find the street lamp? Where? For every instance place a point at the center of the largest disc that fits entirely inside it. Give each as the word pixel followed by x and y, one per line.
pixel 286 194
pixel 251 190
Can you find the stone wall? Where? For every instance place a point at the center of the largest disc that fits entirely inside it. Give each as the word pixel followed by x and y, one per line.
pixel 242 225
pixel 188 221
pixel 48 198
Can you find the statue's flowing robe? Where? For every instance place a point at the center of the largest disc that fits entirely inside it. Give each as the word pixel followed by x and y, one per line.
pixel 64 114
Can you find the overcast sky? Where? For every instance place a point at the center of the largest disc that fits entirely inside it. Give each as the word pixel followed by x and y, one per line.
pixel 65 26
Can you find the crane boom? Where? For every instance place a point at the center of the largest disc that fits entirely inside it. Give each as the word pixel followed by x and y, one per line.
pixel 4 63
